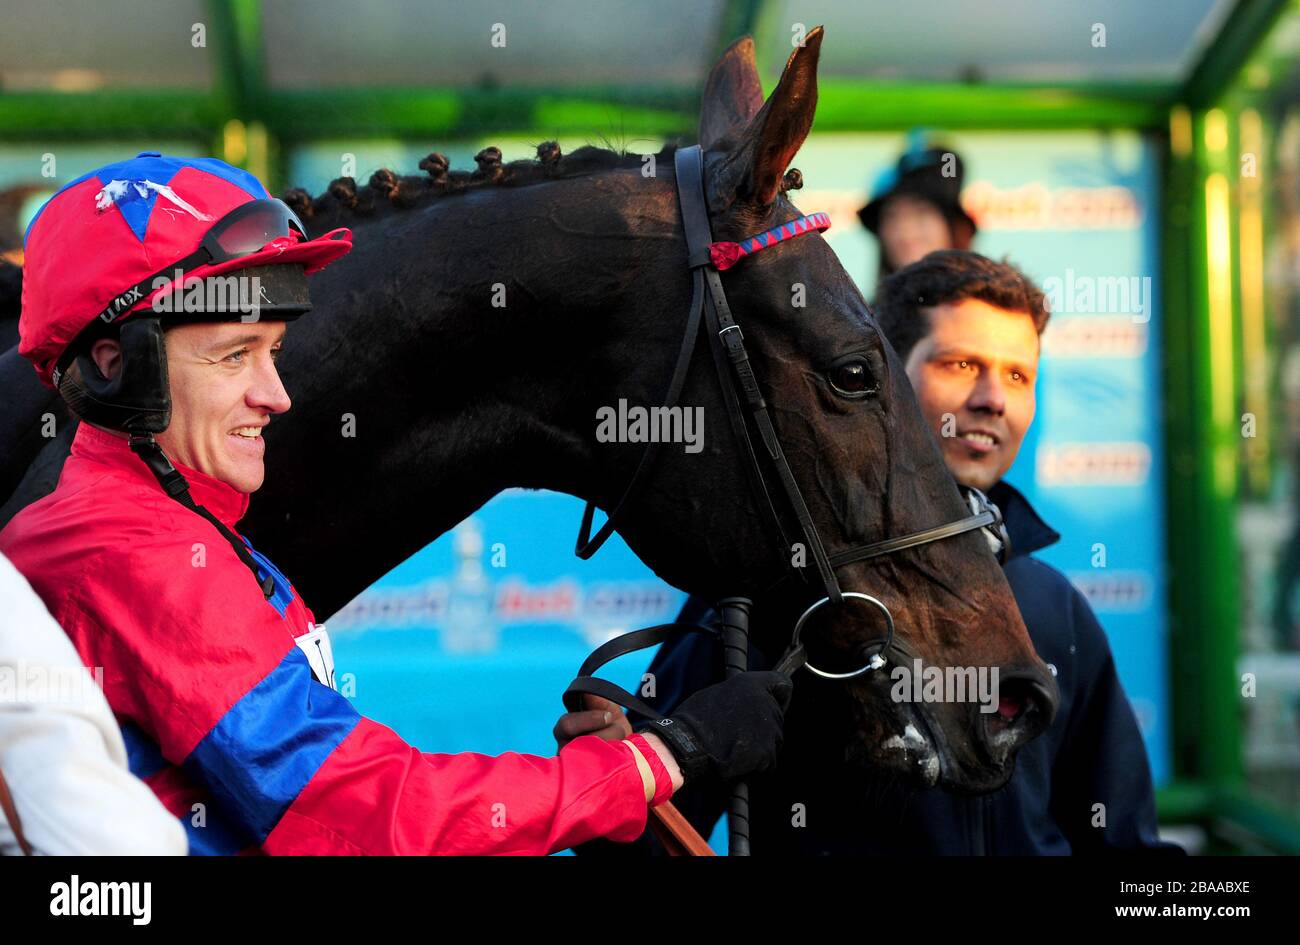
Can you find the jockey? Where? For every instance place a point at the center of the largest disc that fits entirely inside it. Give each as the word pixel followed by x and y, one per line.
pixel 214 667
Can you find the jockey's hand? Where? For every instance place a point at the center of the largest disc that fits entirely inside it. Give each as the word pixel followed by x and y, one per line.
pixel 601 717
pixel 728 730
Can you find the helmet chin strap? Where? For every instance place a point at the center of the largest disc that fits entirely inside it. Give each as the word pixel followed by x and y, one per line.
pixel 176 486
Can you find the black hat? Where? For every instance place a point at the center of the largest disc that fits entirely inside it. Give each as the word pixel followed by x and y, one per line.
pixel 920 173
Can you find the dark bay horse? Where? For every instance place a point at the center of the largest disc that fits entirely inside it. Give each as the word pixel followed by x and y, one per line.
pixel 468 342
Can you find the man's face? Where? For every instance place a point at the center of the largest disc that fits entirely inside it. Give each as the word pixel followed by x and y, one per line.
pixel 911 228
pixel 224 388
pixel 974 375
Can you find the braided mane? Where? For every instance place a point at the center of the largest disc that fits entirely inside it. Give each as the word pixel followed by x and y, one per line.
pixel 343 199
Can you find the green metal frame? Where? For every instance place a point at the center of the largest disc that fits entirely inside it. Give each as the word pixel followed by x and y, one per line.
pixel 1203 366
pixel 842 106
pixel 1201 442
pixel 1250 22
pixel 54 116
pixel 240 93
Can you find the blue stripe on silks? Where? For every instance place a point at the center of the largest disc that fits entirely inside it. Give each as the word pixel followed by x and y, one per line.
pixel 271 743
pixel 283 593
pixel 217 836
pixel 142 754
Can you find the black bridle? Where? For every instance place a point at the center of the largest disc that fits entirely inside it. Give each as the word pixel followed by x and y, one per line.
pixel 742 396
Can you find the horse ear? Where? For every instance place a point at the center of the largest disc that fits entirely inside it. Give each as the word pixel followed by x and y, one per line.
pixel 732 96
pixel 752 170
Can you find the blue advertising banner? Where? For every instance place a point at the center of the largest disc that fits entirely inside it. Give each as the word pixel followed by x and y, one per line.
pixel 468 645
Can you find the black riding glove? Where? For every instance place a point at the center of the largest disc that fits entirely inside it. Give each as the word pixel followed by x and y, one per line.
pixel 729 730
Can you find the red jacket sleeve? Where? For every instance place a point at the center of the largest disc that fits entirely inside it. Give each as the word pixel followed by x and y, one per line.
pixel 397 800
pixel 210 672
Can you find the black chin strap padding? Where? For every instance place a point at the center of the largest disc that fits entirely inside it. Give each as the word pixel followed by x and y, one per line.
pixel 137 398
pixel 176 486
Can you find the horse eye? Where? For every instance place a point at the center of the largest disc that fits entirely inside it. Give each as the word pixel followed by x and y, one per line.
pixel 853 378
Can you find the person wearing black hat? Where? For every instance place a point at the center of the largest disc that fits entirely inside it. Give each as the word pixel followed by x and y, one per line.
pixel 915 208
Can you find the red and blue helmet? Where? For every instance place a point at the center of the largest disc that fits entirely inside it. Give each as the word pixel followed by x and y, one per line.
pixel 106 244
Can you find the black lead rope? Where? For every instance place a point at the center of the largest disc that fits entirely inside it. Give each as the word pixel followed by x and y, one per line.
pixel 176 486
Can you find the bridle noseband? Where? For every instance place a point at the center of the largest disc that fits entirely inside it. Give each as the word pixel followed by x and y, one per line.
pixel 743 397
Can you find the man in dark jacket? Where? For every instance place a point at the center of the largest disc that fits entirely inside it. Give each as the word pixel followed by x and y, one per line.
pixel 967 329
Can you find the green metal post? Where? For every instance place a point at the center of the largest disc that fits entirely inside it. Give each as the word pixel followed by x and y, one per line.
pixel 1205 445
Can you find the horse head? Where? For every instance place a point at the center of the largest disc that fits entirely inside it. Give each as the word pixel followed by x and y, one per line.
pixel 848 422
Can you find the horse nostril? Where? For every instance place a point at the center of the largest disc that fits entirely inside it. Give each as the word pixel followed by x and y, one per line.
pixel 1009 707
pixel 1025 702
pixel 1026 707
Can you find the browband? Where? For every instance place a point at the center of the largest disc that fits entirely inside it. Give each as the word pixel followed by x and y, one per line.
pixel 725 255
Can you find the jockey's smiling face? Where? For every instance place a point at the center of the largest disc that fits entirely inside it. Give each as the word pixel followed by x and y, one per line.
pixel 224 387
pixel 974 375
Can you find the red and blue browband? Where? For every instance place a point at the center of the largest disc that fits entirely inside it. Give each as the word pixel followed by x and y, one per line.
pixel 725 255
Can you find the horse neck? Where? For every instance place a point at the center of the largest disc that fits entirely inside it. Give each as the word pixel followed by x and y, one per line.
pixel 456 352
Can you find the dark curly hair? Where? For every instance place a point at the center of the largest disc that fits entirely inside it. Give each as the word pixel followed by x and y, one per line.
pixel 951 275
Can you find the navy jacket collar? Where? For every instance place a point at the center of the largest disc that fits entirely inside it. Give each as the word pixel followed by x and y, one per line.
pixel 1028 532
